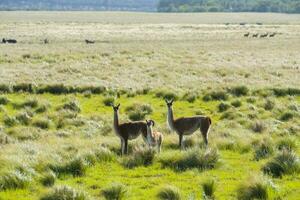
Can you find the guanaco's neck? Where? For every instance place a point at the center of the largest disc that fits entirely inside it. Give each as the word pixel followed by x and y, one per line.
pixel 116 121
pixel 170 118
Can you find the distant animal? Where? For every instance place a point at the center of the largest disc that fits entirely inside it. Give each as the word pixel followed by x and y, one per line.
pixel 255 35
pixel 46 41
pixel 264 35
pixel 246 34
pixel 154 138
pixel 188 125
pixel 89 41
pixel 127 131
pixel 272 35
pixel 12 41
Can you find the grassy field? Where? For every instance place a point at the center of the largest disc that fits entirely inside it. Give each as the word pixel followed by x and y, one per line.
pixel 250 87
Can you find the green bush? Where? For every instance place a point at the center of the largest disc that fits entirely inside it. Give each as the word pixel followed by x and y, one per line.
pixel 108 100
pixel 209 188
pixel 53 89
pixel 48 179
pixel 223 107
pixel 10 121
pixel 255 188
pixel 140 157
pixel 75 167
pixel 287 116
pixel 286 143
pixel 104 154
pixel 65 193
pixel 280 92
pixel 14 180
pixel 286 162
pixel 24 87
pixel 216 95
pixel 264 149
pixel 42 108
pixel 24 118
pixel 269 104
pixel 72 106
pixel 258 127
pixel 239 91
pixel 192 158
pixel 236 103
pixel 190 97
pixel 5 88
pixel 32 103
pixel 189 142
pixel 116 191
pixel 169 193
pixel 138 111
pixel 166 95
pixel 42 123
pixel 3 100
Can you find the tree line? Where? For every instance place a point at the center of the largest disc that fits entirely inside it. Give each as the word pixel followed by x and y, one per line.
pixel 284 6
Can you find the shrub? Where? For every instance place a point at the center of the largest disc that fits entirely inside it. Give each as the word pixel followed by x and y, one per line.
pixel 209 188
pixel 72 106
pixel 236 103
pixel 223 106
pixel 255 188
pixel 286 162
pixel 104 154
pixel 116 191
pixel 258 127
pixel 140 157
pixel 10 121
pixel 264 149
pixel 42 123
pixel 24 118
pixel 48 179
pixel 216 95
pixel 169 193
pixel 42 108
pixel 65 193
pixel 24 87
pixel 108 100
pixel 75 167
pixel 32 103
pixel 3 100
pixel 280 92
pixel 138 111
pixel 166 95
pixel 239 91
pixel 14 180
pixel 5 88
pixel 193 158
pixel 269 104
pixel 190 97
pixel 286 143
pixel 189 142
pixel 287 116
pixel 53 89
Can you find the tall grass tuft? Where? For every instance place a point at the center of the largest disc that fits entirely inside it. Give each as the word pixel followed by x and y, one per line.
pixel 216 95
pixel 258 126
pixel 223 106
pixel 138 111
pixel 264 149
pixel 140 157
pixel 108 100
pixel 254 188
pixel 42 123
pixel 4 100
pixel 10 121
pixel 192 158
pixel 166 95
pixel 14 180
pixel 65 193
pixel 169 193
pixel 239 91
pixel 287 116
pixel 75 167
pixel 190 97
pixel 72 106
pixel 286 143
pixel 285 162
pixel 209 188
pixel 48 179
pixel 116 191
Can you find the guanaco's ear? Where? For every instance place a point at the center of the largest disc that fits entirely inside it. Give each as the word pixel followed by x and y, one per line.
pixel 118 106
pixel 166 100
pixel 153 123
pixel 171 101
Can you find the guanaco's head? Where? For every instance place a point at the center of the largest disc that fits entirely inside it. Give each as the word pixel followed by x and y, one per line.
pixel 116 108
pixel 169 102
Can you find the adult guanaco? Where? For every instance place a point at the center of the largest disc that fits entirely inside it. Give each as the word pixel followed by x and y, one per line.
pixel 127 131
pixel 188 125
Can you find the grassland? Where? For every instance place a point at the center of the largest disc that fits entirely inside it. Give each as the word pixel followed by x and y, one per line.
pixel 49 140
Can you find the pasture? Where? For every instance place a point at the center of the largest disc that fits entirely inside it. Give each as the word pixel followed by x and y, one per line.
pixel 56 119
